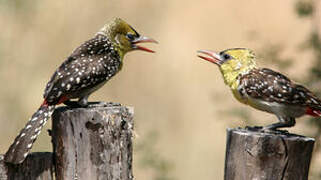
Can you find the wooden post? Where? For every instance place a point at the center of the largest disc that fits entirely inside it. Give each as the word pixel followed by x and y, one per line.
pixel 37 166
pixel 253 154
pixel 93 143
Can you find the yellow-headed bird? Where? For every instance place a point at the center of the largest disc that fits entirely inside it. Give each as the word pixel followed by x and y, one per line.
pixel 87 69
pixel 262 88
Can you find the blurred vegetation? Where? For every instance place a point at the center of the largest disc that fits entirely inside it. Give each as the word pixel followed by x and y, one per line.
pixel 16 4
pixel 305 8
pixel 151 159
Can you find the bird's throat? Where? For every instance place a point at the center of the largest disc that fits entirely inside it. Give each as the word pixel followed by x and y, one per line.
pixel 231 76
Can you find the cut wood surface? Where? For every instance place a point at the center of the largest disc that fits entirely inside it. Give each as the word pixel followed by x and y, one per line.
pixel 253 154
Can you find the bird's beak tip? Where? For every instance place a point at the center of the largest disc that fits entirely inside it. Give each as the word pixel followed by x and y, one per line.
pixel 143 39
pixel 211 56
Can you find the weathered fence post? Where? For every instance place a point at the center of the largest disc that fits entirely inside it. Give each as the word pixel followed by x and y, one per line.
pixel 253 154
pixel 37 166
pixel 93 143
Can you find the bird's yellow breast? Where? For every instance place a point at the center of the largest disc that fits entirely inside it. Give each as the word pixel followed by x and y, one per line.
pixel 239 97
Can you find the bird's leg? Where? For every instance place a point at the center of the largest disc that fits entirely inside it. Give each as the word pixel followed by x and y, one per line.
pixel 284 122
pixel 82 102
pixel 73 104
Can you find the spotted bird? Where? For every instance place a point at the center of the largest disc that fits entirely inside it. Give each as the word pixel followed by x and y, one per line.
pixel 87 69
pixel 263 88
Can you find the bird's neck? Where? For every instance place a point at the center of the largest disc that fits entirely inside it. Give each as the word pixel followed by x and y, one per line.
pixel 231 76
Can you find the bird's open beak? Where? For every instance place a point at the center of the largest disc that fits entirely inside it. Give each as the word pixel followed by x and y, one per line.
pixel 143 39
pixel 211 56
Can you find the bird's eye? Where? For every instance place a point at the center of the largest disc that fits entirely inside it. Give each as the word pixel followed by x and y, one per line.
pixel 226 57
pixel 130 36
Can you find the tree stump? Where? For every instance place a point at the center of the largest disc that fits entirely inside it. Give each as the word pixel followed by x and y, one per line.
pixel 253 154
pixel 37 166
pixel 93 143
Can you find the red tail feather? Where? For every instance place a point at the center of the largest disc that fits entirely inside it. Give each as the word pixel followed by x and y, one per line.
pixel 313 112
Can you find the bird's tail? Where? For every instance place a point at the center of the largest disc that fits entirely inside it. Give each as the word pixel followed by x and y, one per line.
pixel 21 146
pixel 313 112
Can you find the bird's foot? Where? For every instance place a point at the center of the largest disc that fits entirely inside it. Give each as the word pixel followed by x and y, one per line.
pixel 75 104
pixel 254 128
pixel 266 129
pixel 79 104
pixel 102 104
pixel 274 130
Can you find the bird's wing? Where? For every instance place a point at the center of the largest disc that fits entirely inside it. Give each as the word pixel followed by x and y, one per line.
pixel 88 66
pixel 268 85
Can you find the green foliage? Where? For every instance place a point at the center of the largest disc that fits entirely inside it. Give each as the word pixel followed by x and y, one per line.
pixel 304 8
pixel 18 6
pixel 151 159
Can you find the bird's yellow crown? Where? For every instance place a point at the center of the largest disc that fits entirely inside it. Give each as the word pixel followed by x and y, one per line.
pixel 121 34
pixel 235 62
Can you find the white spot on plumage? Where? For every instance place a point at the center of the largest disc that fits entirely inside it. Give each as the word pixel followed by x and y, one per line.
pixel 33 137
pixel 68 87
pixel 29 145
pixel 22 134
pixel 314 101
pixel 25 155
pixel 78 80
pixel 302 94
pixel 28 126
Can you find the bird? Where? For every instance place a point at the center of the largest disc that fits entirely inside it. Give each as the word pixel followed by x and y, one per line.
pixel 262 88
pixel 86 70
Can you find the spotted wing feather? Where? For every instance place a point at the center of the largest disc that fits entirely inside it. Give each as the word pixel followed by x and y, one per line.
pixel 91 64
pixel 268 85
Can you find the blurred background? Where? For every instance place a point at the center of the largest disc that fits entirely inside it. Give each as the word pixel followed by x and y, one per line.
pixel 182 107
